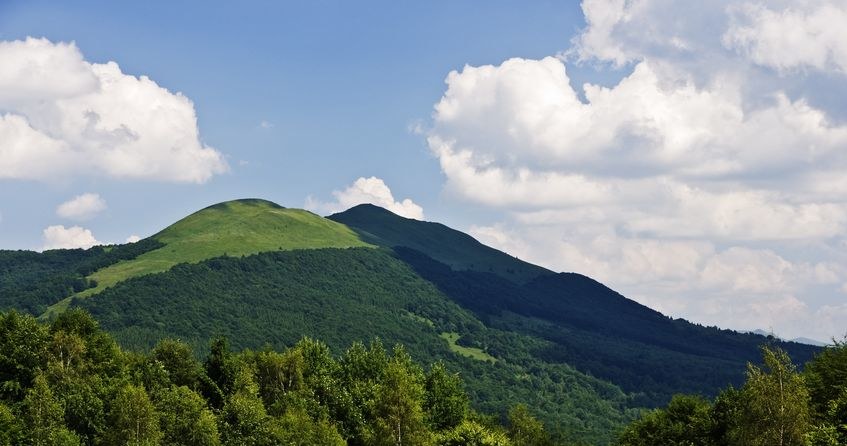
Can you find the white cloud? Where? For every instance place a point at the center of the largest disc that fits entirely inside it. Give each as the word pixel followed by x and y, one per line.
pixel 132 239
pixel 706 181
pixel 60 237
pixel 62 116
pixel 81 207
pixel 791 38
pixel 265 124
pixel 371 190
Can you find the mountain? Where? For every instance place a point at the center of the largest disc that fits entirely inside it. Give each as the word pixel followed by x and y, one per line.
pixel 800 340
pixel 234 228
pixel 584 357
pixel 456 249
pixel 807 341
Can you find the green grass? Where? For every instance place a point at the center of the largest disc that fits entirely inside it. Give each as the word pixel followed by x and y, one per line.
pixel 234 228
pixel 471 352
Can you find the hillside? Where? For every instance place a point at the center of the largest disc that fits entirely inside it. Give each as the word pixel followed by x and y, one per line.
pixel 584 357
pixel 234 228
pixel 456 249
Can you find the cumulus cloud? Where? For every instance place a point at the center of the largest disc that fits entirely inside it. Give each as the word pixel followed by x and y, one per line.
pixel 791 38
pixel 697 182
pixel 132 239
pixel 60 237
pixel 371 190
pixel 62 116
pixel 81 207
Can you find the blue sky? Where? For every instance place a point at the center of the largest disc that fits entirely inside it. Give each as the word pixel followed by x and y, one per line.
pixel 690 156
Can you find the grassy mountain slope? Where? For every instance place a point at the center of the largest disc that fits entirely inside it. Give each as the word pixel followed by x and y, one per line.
pixel 233 228
pixel 457 249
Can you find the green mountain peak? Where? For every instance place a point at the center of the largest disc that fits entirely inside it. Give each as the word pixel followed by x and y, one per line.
pixel 231 228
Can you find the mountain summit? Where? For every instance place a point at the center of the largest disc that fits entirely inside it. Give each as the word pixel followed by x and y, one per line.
pixel 586 358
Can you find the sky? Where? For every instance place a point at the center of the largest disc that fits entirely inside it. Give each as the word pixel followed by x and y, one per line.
pixel 690 155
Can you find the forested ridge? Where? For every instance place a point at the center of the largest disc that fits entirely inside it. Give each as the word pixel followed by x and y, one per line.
pixel 345 295
pixel 69 383
pixel 32 281
pixel 585 359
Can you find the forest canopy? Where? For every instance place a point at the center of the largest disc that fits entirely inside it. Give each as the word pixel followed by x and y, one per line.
pixel 69 383
pixel 776 405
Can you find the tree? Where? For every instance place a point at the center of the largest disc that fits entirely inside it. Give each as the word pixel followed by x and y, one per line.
pixel 685 421
pixel 178 360
pixel 399 413
pixel 244 421
pixel 23 348
pixel 220 369
pixel 279 375
pixel 10 429
pixel 775 403
pixel 524 429
pixel 76 333
pixel 471 433
pixel 43 417
pixel 826 378
pixel 297 428
pixel 133 420
pixel 184 418
pixel 83 398
pixel 446 402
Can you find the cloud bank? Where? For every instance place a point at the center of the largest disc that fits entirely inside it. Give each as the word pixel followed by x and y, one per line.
pixel 371 190
pixel 708 182
pixel 61 116
pixel 82 207
pixel 60 237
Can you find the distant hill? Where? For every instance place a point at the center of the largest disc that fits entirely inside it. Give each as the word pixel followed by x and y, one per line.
pixel 456 249
pixel 800 340
pixel 585 358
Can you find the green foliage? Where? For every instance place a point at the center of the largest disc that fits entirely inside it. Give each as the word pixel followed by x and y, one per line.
pixel 31 281
pixel 775 403
pixel 826 378
pixel 43 417
pixel 398 407
pixel 23 351
pixel 771 408
pixel 301 395
pixel 297 428
pixel 525 429
pixel 686 420
pixel 132 418
pixel 184 418
pixel 10 428
pixel 446 401
pixel 340 296
pixel 471 433
pixel 179 362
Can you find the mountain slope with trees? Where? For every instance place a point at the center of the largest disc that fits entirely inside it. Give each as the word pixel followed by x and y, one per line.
pixel 69 384
pixel 584 358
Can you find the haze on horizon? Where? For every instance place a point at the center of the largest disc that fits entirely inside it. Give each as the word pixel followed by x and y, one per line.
pixel 690 156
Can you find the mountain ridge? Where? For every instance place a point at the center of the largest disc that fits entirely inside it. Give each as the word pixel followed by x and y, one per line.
pixel 584 356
